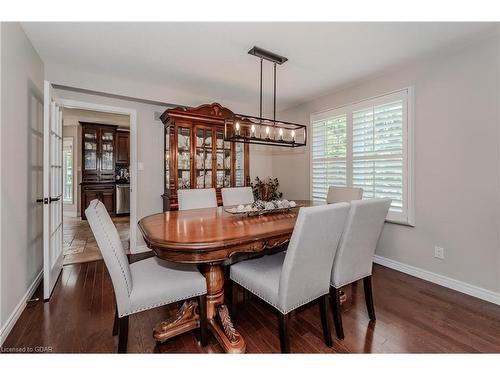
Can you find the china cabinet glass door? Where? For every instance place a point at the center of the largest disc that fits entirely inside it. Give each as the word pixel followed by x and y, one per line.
pixel 204 157
pixel 167 158
pixel 223 160
pixel 107 150
pixel 90 149
pixel 183 157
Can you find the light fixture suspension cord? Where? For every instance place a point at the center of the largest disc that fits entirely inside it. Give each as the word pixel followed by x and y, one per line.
pixel 260 88
pixel 274 112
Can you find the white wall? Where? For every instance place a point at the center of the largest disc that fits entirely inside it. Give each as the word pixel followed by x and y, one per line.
pixel 260 161
pixel 21 168
pixel 457 163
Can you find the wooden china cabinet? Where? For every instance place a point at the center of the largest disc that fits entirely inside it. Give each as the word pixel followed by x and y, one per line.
pixel 98 165
pixel 196 155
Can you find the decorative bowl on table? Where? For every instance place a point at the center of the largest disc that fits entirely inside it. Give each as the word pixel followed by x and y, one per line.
pixel 260 207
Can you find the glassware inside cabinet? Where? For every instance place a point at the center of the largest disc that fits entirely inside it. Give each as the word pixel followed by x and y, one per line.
pixel 184 157
pixel 107 151
pixel 167 158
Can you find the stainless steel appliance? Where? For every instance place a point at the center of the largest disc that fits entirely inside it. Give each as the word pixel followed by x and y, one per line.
pixel 122 198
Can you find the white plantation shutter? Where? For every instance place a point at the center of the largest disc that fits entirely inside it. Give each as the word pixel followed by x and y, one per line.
pixel 329 155
pixel 365 145
pixel 377 152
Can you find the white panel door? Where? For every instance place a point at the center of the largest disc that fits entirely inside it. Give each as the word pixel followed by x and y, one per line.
pixel 52 191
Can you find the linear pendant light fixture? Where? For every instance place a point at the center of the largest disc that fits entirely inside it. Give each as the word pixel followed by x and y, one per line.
pixel 259 130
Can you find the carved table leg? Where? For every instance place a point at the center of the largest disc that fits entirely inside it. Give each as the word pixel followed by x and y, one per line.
pixel 219 321
pixel 186 319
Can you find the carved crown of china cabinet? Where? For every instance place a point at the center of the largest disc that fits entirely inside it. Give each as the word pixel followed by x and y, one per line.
pixel 196 155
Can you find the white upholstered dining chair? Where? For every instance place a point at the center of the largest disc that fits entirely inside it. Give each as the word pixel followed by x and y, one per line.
pixel 302 275
pixel 237 195
pixel 190 199
pixel 145 284
pixel 337 194
pixel 354 257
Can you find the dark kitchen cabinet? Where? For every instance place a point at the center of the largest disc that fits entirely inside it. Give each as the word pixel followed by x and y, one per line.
pixel 98 152
pixel 122 147
pixel 105 193
pixel 98 165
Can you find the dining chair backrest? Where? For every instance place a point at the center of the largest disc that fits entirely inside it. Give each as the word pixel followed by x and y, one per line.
pixel 196 198
pixel 354 258
pixel 307 266
pixel 337 194
pixel 237 195
pixel 111 247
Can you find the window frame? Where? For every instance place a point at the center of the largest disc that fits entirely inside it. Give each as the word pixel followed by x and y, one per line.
pixel 68 139
pixel 407 217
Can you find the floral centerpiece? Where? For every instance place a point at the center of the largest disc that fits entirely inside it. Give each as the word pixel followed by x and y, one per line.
pixel 266 190
pixel 268 199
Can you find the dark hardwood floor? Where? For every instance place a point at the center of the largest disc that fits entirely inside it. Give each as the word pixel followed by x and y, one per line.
pixel 413 316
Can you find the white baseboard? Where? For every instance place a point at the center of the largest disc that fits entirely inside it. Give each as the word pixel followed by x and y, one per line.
pixel 460 286
pixel 9 324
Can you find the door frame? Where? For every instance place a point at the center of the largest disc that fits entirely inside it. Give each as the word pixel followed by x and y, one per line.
pixel 132 113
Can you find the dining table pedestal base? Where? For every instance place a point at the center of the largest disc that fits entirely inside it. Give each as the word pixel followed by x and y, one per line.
pixel 186 319
pixel 219 321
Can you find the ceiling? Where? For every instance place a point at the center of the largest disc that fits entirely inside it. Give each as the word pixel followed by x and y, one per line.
pixel 72 116
pixel 210 59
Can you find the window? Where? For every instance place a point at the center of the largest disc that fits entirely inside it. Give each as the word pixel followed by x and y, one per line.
pixel 367 145
pixel 68 170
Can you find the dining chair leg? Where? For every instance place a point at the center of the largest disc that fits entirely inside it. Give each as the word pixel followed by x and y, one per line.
pixel 234 300
pixel 284 339
pixel 123 335
pixel 202 303
pixel 325 323
pixel 367 283
pixel 115 322
pixel 337 312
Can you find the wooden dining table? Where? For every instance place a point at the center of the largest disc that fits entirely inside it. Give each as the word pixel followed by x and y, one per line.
pixel 212 238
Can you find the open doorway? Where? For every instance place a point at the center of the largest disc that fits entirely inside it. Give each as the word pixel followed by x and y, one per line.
pixel 96 165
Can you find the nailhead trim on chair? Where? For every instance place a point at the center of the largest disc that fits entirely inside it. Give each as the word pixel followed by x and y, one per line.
pixel 304 302
pixel 129 289
pixel 350 282
pixel 257 294
pixel 162 304
pixel 272 304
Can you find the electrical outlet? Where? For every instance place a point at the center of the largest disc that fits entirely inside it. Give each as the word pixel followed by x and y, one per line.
pixel 439 252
